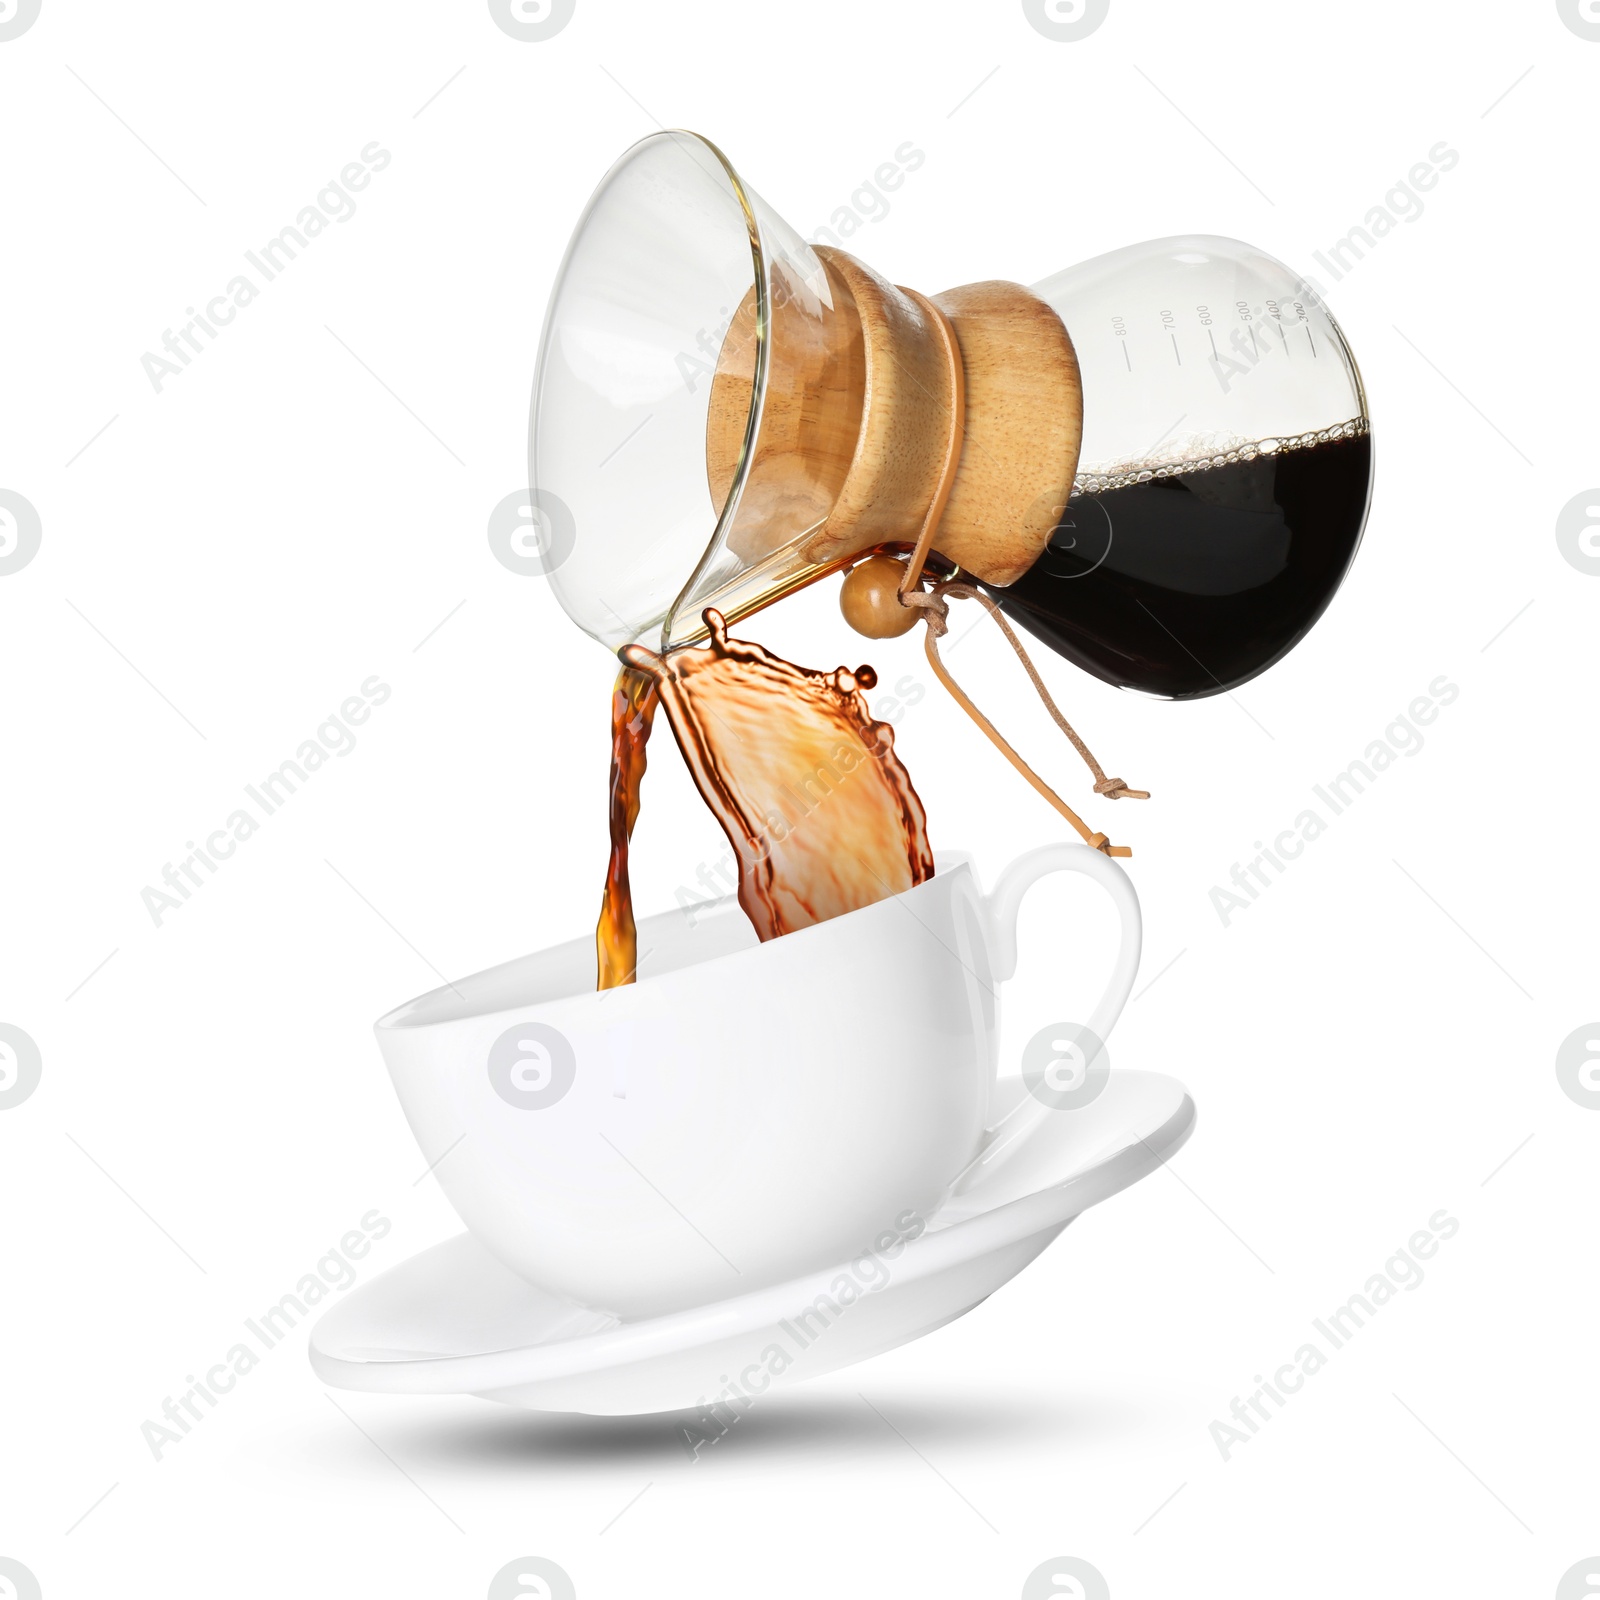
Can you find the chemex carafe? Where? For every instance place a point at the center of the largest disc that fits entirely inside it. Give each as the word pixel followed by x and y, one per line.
pixel 1158 462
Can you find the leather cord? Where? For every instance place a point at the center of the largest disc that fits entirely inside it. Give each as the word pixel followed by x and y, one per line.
pixel 935 609
pixel 954 439
pixel 935 612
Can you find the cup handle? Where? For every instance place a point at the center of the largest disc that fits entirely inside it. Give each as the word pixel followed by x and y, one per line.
pixel 1002 1140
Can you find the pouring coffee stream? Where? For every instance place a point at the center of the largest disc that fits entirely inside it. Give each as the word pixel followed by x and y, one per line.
pixel 821 815
pixel 1158 462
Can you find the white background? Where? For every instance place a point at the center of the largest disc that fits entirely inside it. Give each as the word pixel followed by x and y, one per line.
pixel 229 559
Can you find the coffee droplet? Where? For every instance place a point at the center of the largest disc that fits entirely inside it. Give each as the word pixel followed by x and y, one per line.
pixel 870 599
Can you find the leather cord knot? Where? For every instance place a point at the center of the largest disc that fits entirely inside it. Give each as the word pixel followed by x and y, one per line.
pixel 1116 789
pixel 934 607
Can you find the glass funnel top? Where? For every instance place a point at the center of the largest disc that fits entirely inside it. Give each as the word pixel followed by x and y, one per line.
pixel 679 283
pixel 664 254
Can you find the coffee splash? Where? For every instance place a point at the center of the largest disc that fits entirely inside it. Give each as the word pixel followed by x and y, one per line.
pixel 819 810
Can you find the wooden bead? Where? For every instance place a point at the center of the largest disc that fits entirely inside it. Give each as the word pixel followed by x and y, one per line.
pixel 870 599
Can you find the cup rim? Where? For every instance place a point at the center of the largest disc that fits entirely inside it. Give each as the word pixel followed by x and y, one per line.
pixel 409 1017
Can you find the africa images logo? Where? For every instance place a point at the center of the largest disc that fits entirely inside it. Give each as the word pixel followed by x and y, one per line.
pixel 532 21
pixel 16 17
pixel 21 532
pixel 1066 21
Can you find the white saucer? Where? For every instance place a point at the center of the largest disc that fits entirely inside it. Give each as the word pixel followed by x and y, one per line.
pixel 452 1320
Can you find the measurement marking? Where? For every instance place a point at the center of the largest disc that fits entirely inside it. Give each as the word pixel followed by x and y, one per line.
pixel 1125 356
pixel 1176 356
pixel 1255 344
pixel 1311 341
pixel 1213 338
pixel 1285 337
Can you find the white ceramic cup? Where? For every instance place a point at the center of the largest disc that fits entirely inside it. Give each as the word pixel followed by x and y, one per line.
pixel 745 1112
